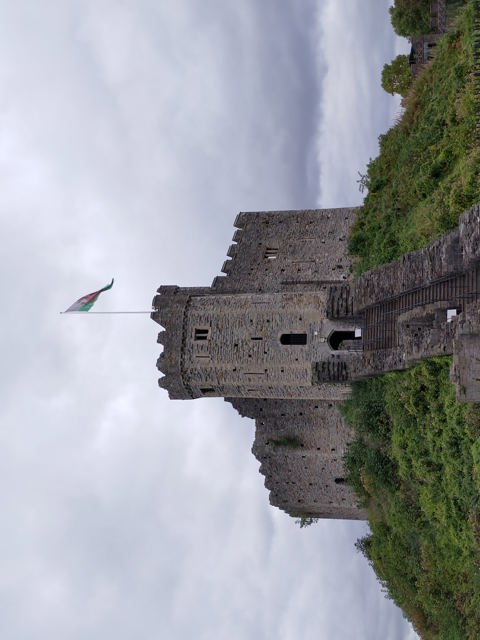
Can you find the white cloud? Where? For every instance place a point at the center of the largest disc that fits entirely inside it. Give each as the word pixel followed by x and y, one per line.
pixel 357 40
pixel 130 134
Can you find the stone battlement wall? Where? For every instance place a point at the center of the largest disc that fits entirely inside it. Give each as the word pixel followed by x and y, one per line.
pixel 290 276
pixel 469 231
pixel 242 355
pixel 465 370
pixel 453 252
pixel 300 446
pixel 288 251
pixel 282 254
pixel 170 304
pixel 440 258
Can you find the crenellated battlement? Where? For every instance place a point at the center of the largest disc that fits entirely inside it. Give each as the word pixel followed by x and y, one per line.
pixel 170 311
pixel 260 335
pixel 219 344
pixel 278 336
pixel 287 250
pixel 300 446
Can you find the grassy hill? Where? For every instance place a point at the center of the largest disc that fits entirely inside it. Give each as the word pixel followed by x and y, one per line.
pixel 415 462
pixel 427 172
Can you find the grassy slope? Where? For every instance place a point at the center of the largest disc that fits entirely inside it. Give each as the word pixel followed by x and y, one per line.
pixel 415 462
pixel 428 168
pixel 416 465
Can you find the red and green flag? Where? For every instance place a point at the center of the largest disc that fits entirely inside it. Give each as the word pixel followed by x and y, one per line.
pixel 85 303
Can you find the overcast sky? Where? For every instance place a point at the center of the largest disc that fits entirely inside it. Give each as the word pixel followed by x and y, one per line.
pixel 131 133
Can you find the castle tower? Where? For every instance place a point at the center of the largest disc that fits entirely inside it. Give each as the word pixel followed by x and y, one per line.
pixel 247 345
pixel 267 332
pixel 262 330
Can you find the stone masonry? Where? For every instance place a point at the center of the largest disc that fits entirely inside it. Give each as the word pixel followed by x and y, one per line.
pixel 254 337
pixel 278 337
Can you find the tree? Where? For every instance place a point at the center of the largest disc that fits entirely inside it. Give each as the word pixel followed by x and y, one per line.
pixel 411 17
pixel 396 76
pixel 306 521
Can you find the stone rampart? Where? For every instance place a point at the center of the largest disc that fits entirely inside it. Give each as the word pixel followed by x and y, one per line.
pixel 300 446
pixel 451 253
pixel 469 231
pixel 465 371
pixel 275 336
pixel 170 304
pixel 288 251
pixel 439 259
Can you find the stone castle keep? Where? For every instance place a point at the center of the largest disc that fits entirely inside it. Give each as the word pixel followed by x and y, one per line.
pixel 285 330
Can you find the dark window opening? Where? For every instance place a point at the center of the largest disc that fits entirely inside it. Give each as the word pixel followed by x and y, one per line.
pixel 201 334
pixel 271 253
pixel 257 338
pixel 293 338
pixel 336 339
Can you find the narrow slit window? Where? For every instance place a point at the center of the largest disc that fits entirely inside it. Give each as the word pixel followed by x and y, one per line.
pixel 207 391
pixel 202 334
pixel 293 338
pixel 271 253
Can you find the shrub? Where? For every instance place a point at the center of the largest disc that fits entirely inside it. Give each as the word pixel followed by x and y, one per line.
pixel 396 76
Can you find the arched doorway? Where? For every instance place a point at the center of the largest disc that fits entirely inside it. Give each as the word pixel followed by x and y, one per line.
pixel 343 341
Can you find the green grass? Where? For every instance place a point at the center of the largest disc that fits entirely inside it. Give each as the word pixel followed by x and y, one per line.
pixel 415 465
pixel 415 460
pixel 428 169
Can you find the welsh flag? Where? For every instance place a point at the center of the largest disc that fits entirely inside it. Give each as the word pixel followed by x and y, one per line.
pixel 86 302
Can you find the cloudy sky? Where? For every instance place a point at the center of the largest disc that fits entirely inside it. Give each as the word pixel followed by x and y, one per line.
pixel 131 133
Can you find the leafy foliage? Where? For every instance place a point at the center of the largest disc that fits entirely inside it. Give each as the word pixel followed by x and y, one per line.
pixel 428 168
pixel 415 465
pixel 415 460
pixel 396 76
pixel 410 17
pixel 306 521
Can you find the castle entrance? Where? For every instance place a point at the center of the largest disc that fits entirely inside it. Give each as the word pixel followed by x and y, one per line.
pixel 344 341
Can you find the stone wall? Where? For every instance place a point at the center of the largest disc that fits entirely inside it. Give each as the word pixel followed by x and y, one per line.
pixel 171 304
pixel 469 232
pixel 440 258
pixel 243 355
pixel 227 340
pixel 288 250
pixel 289 274
pixel 465 371
pixel 454 252
pixel 300 446
pixel 438 16
pixel 423 331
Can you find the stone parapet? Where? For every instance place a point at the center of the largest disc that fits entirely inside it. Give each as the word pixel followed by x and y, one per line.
pixel 439 259
pixel 465 371
pixel 288 251
pixel 170 306
pixel 469 236
pixel 276 336
pixel 300 446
